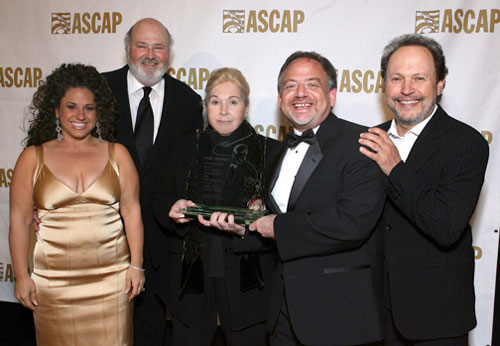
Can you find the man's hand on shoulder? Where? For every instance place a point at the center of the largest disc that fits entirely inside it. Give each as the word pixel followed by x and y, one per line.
pixel 383 151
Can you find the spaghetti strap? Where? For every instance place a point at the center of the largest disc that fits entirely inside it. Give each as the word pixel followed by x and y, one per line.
pixel 111 155
pixel 39 162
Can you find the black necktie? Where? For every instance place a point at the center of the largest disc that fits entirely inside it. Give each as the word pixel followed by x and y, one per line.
pixel 144 126
pixel 292 140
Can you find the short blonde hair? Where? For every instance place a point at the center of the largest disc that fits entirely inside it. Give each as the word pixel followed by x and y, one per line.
pixel 230 74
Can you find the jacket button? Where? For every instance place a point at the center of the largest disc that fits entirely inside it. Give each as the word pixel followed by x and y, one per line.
pixel 388 227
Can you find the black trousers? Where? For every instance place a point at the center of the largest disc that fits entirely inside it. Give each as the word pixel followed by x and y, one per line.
pixel 202 334
pixel 147 333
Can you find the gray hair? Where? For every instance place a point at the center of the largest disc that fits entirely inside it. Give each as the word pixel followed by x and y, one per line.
pixel 416 40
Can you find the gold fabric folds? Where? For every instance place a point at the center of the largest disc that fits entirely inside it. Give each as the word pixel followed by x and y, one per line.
pixel 80 260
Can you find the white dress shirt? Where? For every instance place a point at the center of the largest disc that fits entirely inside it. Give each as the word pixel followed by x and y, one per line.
pixel 289 168
pixel 135 94
pixel 406 142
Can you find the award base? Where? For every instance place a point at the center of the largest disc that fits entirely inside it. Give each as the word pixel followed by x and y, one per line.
pixel 242 216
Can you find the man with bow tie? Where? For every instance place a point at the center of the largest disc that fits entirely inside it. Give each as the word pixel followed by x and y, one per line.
pixel 326 198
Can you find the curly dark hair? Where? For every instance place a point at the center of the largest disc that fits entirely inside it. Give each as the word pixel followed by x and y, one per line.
pixel 47 98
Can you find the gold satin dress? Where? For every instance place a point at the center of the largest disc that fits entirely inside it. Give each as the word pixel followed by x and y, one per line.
pixel 80 261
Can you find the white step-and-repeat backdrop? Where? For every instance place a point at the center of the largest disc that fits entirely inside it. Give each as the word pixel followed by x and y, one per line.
pixel 256 37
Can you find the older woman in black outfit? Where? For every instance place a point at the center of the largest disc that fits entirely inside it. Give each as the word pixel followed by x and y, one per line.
pixel 216 276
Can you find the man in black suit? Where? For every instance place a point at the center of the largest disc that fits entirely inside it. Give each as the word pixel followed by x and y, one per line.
pixel 435 167
pixel 167 110
pixel 326 198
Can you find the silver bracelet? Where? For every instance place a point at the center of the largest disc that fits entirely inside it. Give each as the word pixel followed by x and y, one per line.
pixel 136 268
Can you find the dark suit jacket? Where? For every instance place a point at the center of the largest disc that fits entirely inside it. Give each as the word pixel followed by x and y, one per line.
pixel 181 115
pixel 429 255
pixel 246 307
pixel 331 259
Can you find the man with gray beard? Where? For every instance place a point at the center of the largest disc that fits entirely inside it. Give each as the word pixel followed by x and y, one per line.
pixel 155 110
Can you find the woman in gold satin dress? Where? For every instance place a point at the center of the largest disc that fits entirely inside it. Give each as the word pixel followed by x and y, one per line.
pixel 86 270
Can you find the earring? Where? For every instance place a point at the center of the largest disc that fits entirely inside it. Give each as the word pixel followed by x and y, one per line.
pixel 59 130
pixel 98 131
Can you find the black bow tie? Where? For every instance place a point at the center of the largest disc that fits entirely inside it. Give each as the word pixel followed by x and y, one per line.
pixel 292 140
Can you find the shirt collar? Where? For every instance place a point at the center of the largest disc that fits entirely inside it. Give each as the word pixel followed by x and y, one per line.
pixel 415 130
pixel 299 133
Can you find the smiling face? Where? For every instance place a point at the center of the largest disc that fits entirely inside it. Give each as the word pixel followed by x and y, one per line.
pixel 305 99
pixel 226 109
pixel 411 88
pixel 148 53
pixel 77 113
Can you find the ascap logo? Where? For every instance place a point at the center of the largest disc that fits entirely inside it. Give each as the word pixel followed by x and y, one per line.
pixel 233 21
pixel 238 21
pixel 194 77
pixel 271 131
pixel 85 23
pixel 20 77
pixel 357 81
pixel 6 272
pixel 427 22
pixel 457 21
pixel 61 23
pixel 5 177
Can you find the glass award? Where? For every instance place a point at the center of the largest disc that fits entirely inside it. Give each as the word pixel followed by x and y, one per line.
pixel 228 172
pixel 242 216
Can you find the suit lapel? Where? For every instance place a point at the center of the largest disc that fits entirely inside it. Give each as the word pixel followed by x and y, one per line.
pixel 120 90
pixel 423 149
pixel 124 123
pixel 312 159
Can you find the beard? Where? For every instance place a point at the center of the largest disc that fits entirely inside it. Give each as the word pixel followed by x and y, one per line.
pixel 298 122
pixel 421 116
pixel 146 78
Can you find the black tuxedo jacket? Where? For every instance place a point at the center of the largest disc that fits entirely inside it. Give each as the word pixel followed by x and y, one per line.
pixel 331 261
pixel 181 115
pixel 428 239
